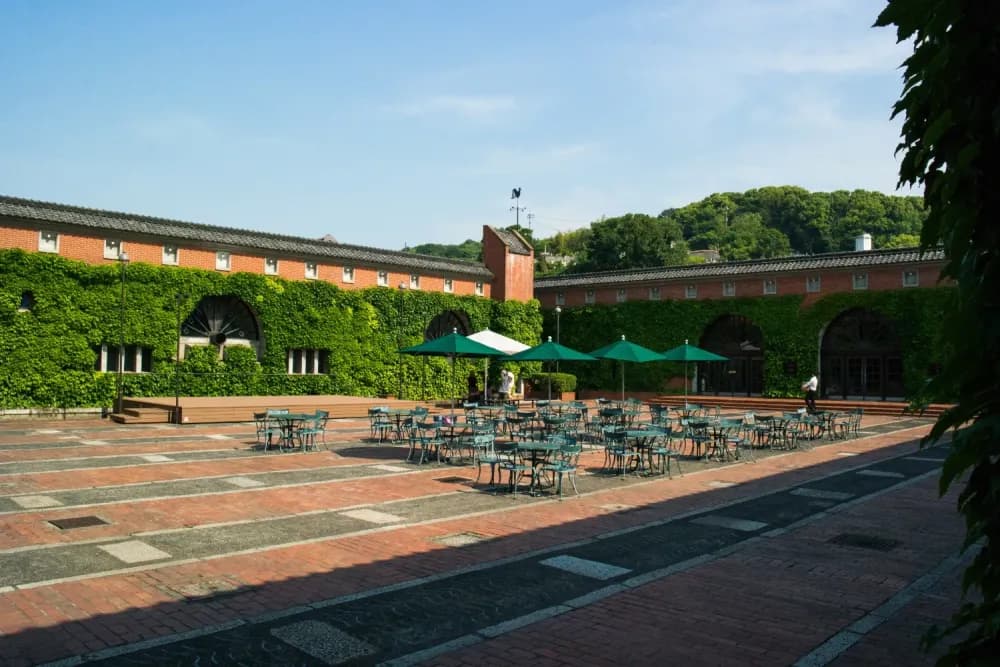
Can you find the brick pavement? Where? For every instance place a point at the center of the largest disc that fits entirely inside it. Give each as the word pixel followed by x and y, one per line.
pixel 85 615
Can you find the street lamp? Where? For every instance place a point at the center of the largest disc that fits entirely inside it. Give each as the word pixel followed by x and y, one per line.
pixel 178 301
pixel 399 343
pixel 120 388
pixel 558 311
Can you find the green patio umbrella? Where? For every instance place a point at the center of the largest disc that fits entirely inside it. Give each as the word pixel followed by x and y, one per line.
pixel 623 351
pixel 453 345
pixel 549 351
pixel 688 353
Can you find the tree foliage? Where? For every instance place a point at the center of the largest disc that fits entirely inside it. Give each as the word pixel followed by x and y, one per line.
pixel 951 145
pixel 468 250
pixel 632 241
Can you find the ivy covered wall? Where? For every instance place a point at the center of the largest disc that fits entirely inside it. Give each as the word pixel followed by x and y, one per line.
pixel 791 333
pixel 47 353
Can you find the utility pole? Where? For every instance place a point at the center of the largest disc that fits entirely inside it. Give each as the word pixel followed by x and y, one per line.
pixel 531 216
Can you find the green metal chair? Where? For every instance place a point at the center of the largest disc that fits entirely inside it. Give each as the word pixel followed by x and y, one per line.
pixel 565 463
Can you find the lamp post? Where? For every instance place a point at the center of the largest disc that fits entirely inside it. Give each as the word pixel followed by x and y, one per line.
pixel 120 388
pixel 178 300
pixel 399 343
pixel 558 312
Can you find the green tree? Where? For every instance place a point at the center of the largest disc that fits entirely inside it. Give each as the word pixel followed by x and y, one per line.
pixel 951 146
pixel 631 241
pixel 468 250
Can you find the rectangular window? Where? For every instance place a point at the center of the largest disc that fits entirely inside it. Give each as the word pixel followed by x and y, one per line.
pixel 621 296
pixel 560 298
pixel 137 359
pixel 770 286
pixel 654 293
pixel 48 242
pixel 112 248
pixel 691 292
pixel 414 281
pixel 479 288
pixel 449 285
pixel 308 362
pixel 271 266
pixel 590 297
pixel 348 274
pixel 911 279
pixel 171 255
pixel 860 281
pixel 813 284
pixel 312 270
pixel 223 260
pixel 383 278
pixel 729 288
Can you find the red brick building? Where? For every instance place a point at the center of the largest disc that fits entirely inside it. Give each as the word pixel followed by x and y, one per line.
pixel 96 236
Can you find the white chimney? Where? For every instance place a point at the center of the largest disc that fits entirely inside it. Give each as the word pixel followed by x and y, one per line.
pixel 862 242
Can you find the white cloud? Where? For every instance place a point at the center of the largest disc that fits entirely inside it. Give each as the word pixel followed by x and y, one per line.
pixel 475 107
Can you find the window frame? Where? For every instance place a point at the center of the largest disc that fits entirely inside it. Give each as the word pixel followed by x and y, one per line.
pixel 140 359
pixel 809 284
pixel 771 283
pixel 414 281
pixel 859 281
pixel 449 285
pixel 691 291
pixel 307 361
pixel 560 298
pixel 268 262
pixel 621 295
pixel 382 278
pixel 311 270
pixel 113 248
pixel 223 260
pixel 728 288
pixel 655 293
pixel 347 274
pixel 44 237
pixel 480 288
pixel 165 256
pixel 590 297
pixel 916 278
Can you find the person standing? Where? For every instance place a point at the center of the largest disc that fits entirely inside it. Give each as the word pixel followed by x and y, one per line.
pixel 810 386
pixel 506 383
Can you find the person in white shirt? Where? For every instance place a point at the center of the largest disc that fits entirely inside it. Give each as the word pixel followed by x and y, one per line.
pixel 810 386
pixel 506 382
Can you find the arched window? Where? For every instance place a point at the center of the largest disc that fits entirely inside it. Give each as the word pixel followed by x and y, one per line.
pixel 860 357
pixel 445 323
pixel 742 341
pixel 222 321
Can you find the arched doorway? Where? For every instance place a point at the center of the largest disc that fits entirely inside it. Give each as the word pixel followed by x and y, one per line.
pixel 222 321
pixel 742 341
pixel 860 357
pixel 446 322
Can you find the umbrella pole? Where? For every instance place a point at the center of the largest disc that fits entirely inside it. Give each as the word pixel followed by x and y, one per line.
pixel 550 383
pixel 623 384
pixel 453 389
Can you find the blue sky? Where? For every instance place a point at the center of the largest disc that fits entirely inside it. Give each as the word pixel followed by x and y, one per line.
pixel 391 123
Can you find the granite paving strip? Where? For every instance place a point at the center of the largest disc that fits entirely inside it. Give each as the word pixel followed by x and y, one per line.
pixel 398 622
pixel 114 461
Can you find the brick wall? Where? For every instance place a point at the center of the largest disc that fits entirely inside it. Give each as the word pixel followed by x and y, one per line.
pixel 514 274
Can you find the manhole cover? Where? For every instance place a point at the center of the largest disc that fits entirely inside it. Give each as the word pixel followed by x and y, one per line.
pixel 865 541
pixel 453 480
pixel 78 522
pixel 461 539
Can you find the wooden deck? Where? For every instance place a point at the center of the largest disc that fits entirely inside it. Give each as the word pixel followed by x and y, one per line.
pixel 220 409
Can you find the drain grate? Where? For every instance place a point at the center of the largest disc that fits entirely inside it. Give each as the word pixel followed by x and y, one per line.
pixel 865 541
pixel 78 522
pixel 454 479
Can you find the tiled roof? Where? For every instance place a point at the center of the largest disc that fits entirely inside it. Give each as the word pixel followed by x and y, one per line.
pixel 226 236
pixel 512 241
pixel 834 260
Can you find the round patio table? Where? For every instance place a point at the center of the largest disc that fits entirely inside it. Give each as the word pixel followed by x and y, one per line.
pixel 538 452
pixel 289 423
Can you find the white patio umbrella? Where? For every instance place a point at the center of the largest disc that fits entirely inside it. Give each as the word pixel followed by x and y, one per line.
pixel 498 341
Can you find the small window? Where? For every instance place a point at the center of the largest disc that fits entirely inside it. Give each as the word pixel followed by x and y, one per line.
pixel 308 362
pixel 860 281
pixel 383 278
pixel 414 281
pixel 449 285
pixel 622 295
pixel 911 279
pixel 137 359
pixel 312 270
pixel 770 286
pixel 813 284
pixel 590 297
pixel 112 248
pixel 27 301
pixel 560 298
pixel 691 292
pixel 348 274
pixel 48 242
pixel 728 288
pixel 223 260
pixel 171 255
pixel 271 266
pixel 654 293
pixel 479 288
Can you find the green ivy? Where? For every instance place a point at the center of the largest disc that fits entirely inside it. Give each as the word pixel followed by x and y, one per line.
pixel 48 357
pixel 791 330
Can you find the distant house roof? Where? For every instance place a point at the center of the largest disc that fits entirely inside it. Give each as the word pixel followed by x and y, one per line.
pixel 835 260
pixel 513 241
pixel 27 209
